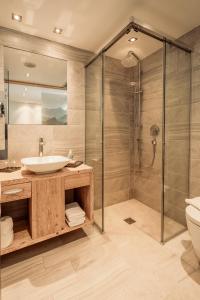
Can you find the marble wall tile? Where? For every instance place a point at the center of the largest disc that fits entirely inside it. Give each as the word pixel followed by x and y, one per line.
pixel 2 120
pixel 117 120
pixel 27 42
pixel 193 39
pixel 119 117
pixel 146 182
pixel 1 70
pixel 93 125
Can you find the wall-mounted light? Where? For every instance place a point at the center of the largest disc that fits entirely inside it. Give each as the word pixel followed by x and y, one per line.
pixel 16 17
pixel 132 39
pixel 58 30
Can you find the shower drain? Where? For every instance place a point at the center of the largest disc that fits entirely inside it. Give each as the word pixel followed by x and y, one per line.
pixel 129 221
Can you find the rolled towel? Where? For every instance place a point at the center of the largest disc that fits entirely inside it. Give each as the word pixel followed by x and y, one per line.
pixel 6 224
pixel 6 239
pixel 7 233
pixel 195 202
pixel 75 219
pixel 73 210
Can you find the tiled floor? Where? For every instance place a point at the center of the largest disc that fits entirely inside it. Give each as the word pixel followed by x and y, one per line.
pixel 124 263
pixel 147 219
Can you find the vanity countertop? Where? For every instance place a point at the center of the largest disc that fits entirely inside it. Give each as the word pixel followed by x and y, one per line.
pixel 23 176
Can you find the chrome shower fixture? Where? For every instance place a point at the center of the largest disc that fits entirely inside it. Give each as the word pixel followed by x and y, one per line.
pixel 154 130
pixel 130 60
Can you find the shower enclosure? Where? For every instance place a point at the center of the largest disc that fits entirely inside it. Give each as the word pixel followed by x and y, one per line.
pixel 138 130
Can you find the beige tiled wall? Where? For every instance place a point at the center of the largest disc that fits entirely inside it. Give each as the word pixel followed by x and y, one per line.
pixel 177 131
pixel 23 139
pixel 2 120
pixel 146 182
pixel 193 39
pixel 94 125
pixel 1 71
pixel 117 116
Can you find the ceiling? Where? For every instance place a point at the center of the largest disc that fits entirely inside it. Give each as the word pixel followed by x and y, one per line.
pixel 142 47
pixel 90 24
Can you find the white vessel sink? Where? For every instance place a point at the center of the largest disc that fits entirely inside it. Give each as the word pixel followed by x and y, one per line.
pixel 45 164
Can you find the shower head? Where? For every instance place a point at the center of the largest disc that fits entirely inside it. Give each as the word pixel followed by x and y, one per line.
pixel 130 60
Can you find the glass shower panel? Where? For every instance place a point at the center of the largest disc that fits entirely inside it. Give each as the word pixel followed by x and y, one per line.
pixel 93 133
pixel 176 139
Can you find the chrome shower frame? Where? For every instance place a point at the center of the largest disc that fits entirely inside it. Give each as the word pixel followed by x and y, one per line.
pixel 139 27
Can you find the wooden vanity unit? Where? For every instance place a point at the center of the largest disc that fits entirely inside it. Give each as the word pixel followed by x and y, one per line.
pixel 37 203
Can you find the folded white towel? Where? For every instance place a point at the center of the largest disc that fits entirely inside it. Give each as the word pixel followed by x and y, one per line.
pixel 75 218
pixel 75 223
pixel 73 210
pixel 195 202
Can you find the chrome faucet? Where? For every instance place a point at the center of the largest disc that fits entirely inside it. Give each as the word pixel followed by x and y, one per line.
pixel 41 146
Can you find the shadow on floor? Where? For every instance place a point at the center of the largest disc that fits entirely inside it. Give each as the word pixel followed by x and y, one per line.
pixel 189 258
pixel 41 248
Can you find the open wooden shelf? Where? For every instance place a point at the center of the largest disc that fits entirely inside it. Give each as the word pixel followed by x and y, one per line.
pixel 22 237
pixel 41 208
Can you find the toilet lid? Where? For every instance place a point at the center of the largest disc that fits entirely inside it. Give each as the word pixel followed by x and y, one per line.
pixel 193 214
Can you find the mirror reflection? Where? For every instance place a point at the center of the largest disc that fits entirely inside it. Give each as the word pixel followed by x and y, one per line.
pixel 36 88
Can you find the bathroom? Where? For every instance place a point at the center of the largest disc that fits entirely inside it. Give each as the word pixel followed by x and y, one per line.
pixel 121 140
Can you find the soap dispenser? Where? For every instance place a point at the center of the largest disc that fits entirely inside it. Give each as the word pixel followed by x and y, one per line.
pixel 70 154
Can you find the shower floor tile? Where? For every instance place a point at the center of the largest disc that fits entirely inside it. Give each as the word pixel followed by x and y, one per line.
pixel 147 219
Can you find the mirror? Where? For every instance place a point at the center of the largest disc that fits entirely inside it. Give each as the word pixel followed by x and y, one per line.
pixel 35 88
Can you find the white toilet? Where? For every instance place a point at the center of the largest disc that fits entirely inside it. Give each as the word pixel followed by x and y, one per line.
pixel 193 223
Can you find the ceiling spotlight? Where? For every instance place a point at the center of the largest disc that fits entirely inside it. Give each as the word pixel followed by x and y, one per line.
pixel 58 30
pixel 27 74
pixel 132 39
pixel 16 17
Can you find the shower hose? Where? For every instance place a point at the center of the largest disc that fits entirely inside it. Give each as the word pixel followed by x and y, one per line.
pixel 154 144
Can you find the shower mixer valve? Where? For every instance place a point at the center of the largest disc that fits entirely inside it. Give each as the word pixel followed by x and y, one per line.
pixel 154 130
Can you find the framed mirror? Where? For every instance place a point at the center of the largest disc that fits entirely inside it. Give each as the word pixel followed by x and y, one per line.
pixel 35 88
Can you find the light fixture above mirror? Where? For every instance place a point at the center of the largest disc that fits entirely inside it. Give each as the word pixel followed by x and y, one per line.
pixel 16 17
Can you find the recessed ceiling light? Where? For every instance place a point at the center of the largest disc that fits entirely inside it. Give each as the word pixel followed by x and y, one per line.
pixel 132 39
pixel 27 74
pixel 58 30
pixel 16 17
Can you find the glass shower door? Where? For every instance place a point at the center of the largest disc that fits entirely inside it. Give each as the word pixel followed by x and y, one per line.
pixel 94 133
pixel 176 135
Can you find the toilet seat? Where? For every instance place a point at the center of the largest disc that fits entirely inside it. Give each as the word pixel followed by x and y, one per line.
pixel 193 214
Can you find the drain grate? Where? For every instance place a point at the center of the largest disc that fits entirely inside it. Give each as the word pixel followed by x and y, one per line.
pixel 129 221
